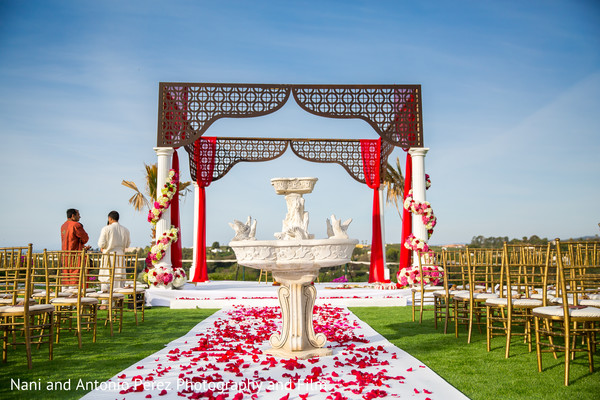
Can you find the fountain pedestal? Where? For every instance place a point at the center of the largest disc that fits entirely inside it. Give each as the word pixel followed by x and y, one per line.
pixel 294 261
pixel 297 297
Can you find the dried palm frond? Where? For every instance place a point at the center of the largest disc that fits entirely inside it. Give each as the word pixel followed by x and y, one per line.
pixel 394 185
pixel 138 200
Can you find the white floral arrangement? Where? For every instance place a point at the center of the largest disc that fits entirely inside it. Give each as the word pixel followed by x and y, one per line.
pixel 161 276
pixel 179 277
pixel 164 201
pixel 432 274
pixel 167 277
pixel 415 244
pixel 423 209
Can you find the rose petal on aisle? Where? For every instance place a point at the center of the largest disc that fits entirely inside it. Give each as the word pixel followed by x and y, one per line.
pixel 222 358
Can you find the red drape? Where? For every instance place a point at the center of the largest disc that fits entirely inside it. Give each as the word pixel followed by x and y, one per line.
pixel 405 254
pixel 204 156
pixel 176 114
pixel 176 253
pixel 371 155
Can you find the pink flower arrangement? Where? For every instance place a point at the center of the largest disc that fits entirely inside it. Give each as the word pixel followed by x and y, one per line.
pixel 341 279
pixel 432 274
pixel 423 209
pixel 164 201
pixel 157 252
pixel 412 243
pixel 161 275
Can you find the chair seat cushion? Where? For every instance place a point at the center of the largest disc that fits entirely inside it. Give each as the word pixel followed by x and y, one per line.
pixel 103 295
pixel 580 300
pixel 442 293
pixel 590 302
pixel 427 288
pixel 516 302
pixel 19 309
pixel 8 301
pixel 467 296
pixel 558 311
pixel 73 300
pixel 541 296
pixel 130 290
pixel 74 290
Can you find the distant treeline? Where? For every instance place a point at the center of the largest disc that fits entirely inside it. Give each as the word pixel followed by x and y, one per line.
pixel 497 242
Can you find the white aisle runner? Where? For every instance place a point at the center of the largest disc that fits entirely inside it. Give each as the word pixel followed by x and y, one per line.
pixel 221 358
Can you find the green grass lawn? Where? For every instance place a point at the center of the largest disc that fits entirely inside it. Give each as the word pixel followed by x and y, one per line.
pixel 469 367
pixel 474 371
pixel 95 361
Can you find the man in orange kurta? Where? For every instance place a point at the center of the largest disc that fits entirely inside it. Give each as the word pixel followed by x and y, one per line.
pixel 73 237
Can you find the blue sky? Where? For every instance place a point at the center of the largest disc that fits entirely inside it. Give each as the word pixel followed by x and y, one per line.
pixel 511 93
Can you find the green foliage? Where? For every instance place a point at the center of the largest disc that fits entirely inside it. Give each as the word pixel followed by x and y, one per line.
pixel 392 253
pixel 497 242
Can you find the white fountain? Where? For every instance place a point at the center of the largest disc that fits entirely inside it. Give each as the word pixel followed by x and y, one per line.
pixel 294 259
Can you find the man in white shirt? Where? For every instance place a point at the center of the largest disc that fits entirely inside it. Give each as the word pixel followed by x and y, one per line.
pixel 114 238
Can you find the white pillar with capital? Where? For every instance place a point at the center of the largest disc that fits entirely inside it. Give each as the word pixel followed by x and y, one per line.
pixel 386 270
pixel 196 226
pixel 163 225
pixel 418 188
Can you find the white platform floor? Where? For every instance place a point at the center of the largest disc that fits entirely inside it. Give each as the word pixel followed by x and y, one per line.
pixel 218 294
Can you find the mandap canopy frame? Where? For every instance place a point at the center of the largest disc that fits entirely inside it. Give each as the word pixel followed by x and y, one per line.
pixel 187 110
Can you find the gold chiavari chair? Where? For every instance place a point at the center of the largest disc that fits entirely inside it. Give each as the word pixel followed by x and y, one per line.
pixel 484 271
pixel 126 283
pixel 456 280
pixel 557 327
pixel 265 273
pixel 587 255
pixel 67 277
pixel 523 267
pixel 430 274
pixel 101 278
pixel 23 322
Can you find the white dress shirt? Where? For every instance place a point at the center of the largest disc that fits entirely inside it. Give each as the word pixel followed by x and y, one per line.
pixel 114 238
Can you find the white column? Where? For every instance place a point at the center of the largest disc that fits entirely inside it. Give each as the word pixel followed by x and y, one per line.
pixel 164 223
pixel 386 270
pixel 196 226
pixel 418 188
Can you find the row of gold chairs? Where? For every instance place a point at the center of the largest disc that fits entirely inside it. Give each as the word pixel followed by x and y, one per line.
pixel 45 294
pixel 550 291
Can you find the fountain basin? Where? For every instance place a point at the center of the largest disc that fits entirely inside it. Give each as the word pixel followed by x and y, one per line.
pixel 293 256
pixel 293 185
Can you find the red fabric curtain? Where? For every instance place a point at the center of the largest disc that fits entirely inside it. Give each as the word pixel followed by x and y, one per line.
pixel 204 156
pixel 176 114
pixel 371 157
pixel 405 254
pixel 176 253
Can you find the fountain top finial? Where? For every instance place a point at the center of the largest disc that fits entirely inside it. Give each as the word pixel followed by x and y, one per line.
pixel 294 185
